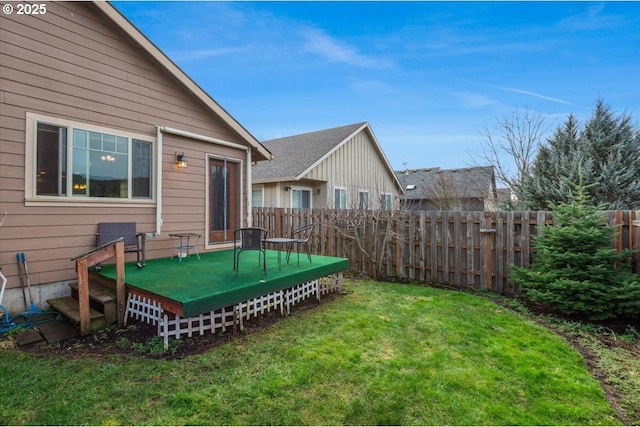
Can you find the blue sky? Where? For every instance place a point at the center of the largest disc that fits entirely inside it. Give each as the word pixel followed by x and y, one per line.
pixel 427 76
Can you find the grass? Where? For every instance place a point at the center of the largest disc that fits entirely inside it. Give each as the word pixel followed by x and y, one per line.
pixel 613 356
pixel 622 372
pixel 382 354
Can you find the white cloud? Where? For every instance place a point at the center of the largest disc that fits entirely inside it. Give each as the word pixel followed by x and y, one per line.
pixel 536 95
pixel 320 43
pixel 193 55
pixel 591 19
pixel 474 100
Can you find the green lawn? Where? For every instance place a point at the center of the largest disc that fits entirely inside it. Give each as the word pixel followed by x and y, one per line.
pixel 382 354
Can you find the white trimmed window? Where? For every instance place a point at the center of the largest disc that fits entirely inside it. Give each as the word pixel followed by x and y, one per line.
pixel 301 198
pixel 340 198
pixel 75 161
pixel 257 197
pixel 363 199
pixel 386 201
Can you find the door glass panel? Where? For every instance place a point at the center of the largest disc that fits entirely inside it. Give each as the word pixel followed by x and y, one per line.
pixel 224 199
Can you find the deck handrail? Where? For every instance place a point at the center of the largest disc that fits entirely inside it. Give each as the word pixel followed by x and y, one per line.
pixel 91 258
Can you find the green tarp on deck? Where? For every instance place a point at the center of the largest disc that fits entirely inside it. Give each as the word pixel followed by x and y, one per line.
pixel 210 283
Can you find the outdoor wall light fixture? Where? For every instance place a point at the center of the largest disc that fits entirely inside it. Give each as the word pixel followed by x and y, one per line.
pixel 181 160
pixel 287 187
pixel 318 191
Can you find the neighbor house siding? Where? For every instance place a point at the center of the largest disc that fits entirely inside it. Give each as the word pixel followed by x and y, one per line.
pixel 356 166
pixel 73 64
pixel 275 194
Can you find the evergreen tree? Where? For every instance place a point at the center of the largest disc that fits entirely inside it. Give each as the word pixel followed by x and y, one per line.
pixel 575 270
pixel 607 150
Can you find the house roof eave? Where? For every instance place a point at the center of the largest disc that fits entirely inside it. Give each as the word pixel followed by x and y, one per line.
pixel 112 13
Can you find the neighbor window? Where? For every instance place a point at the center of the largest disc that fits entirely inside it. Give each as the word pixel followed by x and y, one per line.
pixel 340 198
pixel 300 198
pixel 78 162
pixel 363 199
pixel 386 201
pixel 257 198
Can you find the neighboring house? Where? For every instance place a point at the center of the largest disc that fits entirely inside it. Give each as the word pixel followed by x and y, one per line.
pixel 342 167
pixel 467 189
pixel 93 118
pixel 506 197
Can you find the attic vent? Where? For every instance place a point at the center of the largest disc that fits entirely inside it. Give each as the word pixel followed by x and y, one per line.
pixel 411 187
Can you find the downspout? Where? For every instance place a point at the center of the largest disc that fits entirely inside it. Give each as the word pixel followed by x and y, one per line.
pixel 249 190
pixel 159 183
pixel 204 138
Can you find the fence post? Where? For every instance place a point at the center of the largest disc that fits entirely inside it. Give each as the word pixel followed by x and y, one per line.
pixel 634 240
pixel 457 249
pixel 510 250
pixel 445 247
pixel 423 251
pixel 471 252
pixel 498 252
pixel 486 246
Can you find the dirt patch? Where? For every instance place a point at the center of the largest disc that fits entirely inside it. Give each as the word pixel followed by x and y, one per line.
pixel 138 339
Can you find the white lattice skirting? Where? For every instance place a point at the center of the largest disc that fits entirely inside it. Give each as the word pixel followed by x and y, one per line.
pixel 169 325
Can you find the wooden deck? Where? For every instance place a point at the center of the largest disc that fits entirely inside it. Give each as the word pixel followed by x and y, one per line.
pixel 198 295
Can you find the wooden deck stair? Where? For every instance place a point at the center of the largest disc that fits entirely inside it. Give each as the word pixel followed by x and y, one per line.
pixel 102 306
pixel 93 294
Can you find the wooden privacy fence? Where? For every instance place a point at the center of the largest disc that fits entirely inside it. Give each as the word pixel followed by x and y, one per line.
pixel 472 250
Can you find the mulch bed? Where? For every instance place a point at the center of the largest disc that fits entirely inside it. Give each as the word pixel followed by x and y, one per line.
pixel 116 341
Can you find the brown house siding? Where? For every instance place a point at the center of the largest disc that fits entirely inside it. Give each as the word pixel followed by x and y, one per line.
pixel 74 64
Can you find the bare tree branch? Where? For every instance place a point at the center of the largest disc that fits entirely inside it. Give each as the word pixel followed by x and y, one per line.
pixel 513 141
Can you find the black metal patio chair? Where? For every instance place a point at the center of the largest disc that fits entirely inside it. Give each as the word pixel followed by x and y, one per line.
pixel 249 239
pixel 302 236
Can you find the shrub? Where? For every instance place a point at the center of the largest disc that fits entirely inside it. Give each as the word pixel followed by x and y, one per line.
pixel 576 271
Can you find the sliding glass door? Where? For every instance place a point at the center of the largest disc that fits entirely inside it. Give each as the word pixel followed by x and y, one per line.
pixel 224 199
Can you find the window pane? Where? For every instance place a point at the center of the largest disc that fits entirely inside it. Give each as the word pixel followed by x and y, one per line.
pixel 95 141
pixel 295 199
pixel 80 172
pixel 98 173
pixel 385 201
pixel 122 144
pixel 51 160
pixel 340 197
pixel 141 169
pixel 301 199
pixel 80 138
pixel 109 143
pixel 108 175
pixel 256 197
pixel 363 200
pixel 306 199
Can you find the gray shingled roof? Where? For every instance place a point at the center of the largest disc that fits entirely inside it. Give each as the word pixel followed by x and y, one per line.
pixel 294 154
pixel 470 182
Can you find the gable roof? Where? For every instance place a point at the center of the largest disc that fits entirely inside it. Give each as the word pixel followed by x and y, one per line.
pixel 295 156
pixel 469 182
pixel 258 150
